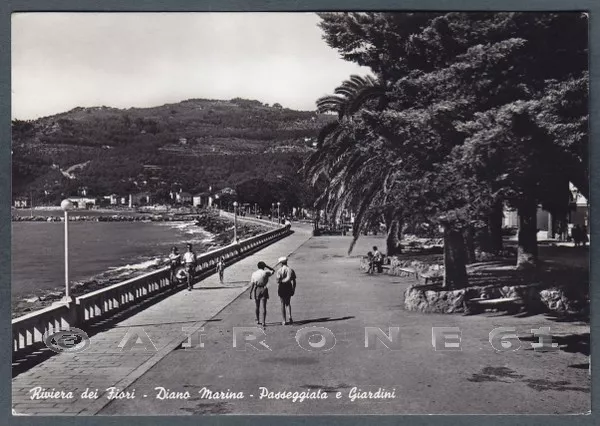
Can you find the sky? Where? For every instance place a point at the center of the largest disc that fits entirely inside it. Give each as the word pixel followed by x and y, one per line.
pixel 64 60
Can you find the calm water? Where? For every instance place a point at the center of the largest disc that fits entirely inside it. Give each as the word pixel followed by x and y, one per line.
pixel 95 247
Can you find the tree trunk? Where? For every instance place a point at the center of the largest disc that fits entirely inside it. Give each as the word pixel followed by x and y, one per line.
pixel 455 258
pixel 527 253
pixel 495 228
pixel 393 238
pixel 468 235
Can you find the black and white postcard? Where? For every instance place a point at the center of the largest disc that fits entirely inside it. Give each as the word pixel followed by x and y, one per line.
pixel 300 213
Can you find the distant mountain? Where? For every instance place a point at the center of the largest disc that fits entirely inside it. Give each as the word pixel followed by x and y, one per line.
pixel 190 144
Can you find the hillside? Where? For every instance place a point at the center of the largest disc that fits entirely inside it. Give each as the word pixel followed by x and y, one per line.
pixel 190 144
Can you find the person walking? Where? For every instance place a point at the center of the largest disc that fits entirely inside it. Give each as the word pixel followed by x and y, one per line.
pixel 174 262
pixel 189 260
pixel 221 268
pixel 286 279
pixel 258 288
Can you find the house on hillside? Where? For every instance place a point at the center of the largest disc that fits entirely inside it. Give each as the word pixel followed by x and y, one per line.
pixel 112 199
pixel 140 199
pixel 201 199
pixel 227 191
pixel 181 197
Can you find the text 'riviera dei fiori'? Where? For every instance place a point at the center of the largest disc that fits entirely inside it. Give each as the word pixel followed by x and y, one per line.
pixel 162 393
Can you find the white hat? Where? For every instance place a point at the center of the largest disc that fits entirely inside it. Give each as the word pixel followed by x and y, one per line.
pixel 282 259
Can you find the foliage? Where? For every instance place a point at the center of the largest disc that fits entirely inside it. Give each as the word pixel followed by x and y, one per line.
pixel 474 109
pixel 193 144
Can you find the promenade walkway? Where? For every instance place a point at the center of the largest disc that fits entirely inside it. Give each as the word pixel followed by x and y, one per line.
pixel 105 365
pixel 334 294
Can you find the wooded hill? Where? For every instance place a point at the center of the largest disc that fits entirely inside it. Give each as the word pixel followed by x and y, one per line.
pixel 191 144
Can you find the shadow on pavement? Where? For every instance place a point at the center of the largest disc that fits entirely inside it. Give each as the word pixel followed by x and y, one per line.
pixel 323 319
pixel 582 366
pixel 573 343
pixel 167 323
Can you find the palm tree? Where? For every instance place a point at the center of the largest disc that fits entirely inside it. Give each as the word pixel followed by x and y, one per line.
pixel 358 170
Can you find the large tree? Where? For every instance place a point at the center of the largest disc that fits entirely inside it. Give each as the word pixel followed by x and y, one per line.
pixel 446 74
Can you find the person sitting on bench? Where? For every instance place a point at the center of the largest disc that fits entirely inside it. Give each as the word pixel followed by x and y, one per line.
pixel 370 260
pixel 377 259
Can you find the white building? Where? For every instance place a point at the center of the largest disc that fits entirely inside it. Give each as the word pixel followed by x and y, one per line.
pixel 82 202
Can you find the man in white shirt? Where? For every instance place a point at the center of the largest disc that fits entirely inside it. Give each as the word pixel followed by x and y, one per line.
pixel 189 260
pixel 258 282
pixel 286 278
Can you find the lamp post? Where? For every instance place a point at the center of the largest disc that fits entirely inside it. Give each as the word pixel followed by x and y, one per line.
pixel 273 211
pixel 278 212
pixel 67 205
pixel 235 238
pixel 217 201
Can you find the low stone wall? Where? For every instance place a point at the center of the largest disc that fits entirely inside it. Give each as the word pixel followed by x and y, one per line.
pixel 420 267
pixel 567 299
pixel 564 300
pixel 446 302
pixel 560 300
pixel 395 264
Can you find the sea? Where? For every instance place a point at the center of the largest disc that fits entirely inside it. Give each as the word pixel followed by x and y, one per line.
pixel 99 251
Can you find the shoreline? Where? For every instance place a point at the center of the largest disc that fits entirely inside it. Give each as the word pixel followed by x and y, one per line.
pixel 138 214
pixel 219 233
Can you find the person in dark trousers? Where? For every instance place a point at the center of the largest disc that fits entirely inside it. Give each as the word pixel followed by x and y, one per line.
pixel 258 288
pixel 377 259
pixel 286 279
pixel 370 260
pixel 174 262
pixel 221 268
pixel 189 260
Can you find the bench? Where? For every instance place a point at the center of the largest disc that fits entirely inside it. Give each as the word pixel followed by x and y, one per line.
pixel 434 279
pixel 478 304
pixel 407 271
pixel 433 286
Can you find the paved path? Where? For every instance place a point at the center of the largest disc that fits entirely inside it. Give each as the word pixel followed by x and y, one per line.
pixel 105 365
pixel 332 293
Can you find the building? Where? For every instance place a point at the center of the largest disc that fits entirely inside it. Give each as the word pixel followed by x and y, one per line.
pixel 183 197
pixel 83 202
pixel 578 215
pixel 201 199
pixel 113 199
pixel 140 199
